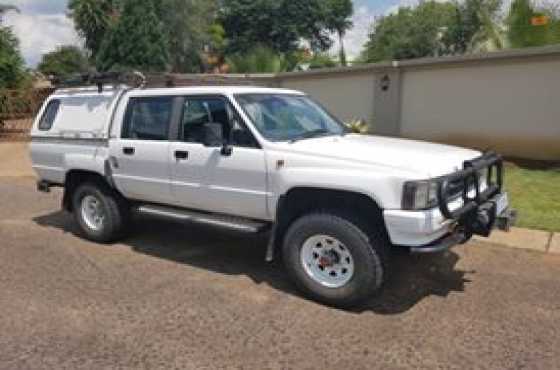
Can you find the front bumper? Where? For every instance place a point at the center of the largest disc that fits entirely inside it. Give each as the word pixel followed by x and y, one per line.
pixel 480 208
pixel 430 232
pixel 503 221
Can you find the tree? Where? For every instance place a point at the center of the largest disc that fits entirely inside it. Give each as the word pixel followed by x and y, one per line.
pixel 475 27
pixel 338 13
pixel 137 41
pixel 12 70
pixel 259 60
pixel 410 33
pixel 321 60
pixel 216 48
pixel 189 27
pixel 305 60
pixel 186 25
pixel 521 32
pixel 93 19
pixel 276 24
pixel 12 67
pixel 63 62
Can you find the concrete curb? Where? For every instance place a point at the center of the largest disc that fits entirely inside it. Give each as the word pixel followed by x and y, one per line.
pixel 554 246
pixel 536 240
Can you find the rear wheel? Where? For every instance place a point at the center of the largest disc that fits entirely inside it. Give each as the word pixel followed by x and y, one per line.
pixel 100 212
pixel 335 260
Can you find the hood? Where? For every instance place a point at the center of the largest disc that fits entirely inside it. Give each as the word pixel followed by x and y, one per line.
pixel 427 159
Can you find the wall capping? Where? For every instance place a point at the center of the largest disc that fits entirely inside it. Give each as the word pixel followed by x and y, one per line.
pixel 502 55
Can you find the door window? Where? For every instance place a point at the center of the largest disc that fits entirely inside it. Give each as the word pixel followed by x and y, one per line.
pixel 198 112
pixel 148 118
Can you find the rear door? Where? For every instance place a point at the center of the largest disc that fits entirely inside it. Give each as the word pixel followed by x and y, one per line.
pixel 202 177
pixel 141 156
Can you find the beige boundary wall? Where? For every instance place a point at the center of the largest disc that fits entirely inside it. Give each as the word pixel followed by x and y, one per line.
pixel 354 89
pixel 508 101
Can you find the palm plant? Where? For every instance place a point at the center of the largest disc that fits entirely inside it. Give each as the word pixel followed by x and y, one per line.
pixel 476 27
pixel 491 35
pixel 338 14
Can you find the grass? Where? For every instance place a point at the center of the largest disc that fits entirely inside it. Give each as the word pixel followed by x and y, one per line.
pixel 535 192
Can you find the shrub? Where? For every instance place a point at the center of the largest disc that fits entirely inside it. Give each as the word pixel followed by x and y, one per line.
pixel 358 126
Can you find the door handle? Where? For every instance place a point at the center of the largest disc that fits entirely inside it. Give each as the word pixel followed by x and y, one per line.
pixel 128 150
pixel 181 155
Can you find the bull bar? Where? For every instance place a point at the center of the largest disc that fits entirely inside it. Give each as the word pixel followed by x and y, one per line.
pixel 478 213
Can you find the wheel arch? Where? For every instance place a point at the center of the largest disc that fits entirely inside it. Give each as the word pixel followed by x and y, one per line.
pixel 303 200
pixel 74 178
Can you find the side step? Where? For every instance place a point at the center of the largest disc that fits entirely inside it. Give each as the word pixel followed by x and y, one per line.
pixel 229 222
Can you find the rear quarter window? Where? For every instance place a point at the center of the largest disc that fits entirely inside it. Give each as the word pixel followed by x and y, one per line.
pixel 49 115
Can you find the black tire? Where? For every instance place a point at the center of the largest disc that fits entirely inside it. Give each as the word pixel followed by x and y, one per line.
pixel 369 247
pixel 115 208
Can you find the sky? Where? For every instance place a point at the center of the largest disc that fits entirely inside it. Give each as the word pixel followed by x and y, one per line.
pixel 42 25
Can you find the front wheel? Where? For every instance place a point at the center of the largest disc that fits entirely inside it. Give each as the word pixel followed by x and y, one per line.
pixel 335 260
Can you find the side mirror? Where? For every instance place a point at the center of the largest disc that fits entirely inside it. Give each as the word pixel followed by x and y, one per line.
pixel 214 138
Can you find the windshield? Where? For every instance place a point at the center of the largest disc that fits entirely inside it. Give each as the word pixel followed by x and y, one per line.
pixel 281 117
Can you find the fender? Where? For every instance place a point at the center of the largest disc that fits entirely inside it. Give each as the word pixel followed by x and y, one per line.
pixel 378 186
pixel 98 162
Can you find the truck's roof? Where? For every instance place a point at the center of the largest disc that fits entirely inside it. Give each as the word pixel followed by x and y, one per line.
pixel 88 91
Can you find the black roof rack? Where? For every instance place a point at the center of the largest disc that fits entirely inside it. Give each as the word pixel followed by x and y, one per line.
pixel 135 79
pixel 139 80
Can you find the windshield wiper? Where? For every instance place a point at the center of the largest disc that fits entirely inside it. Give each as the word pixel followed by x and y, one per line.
pixel 311 134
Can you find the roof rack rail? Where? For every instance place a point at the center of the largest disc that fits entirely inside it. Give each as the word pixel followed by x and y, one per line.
pixel 139 80
pixel 135 79
pixel 208 79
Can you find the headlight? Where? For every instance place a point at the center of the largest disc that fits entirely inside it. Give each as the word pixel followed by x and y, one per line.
pixel 419 195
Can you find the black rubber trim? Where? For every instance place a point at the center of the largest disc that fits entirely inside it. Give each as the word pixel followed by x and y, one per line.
pixel 443 244
pixel 271 246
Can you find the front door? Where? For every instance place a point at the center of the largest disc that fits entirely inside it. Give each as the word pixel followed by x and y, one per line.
pixel 202 177
pixel 140 158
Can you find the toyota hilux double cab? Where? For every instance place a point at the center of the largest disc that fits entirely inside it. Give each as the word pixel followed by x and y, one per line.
pixel 264 160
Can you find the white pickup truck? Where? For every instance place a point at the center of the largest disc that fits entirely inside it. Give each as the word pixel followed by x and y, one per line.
pixel 264 160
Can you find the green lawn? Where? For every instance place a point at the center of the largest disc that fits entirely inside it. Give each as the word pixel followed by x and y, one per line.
pixel 535 193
